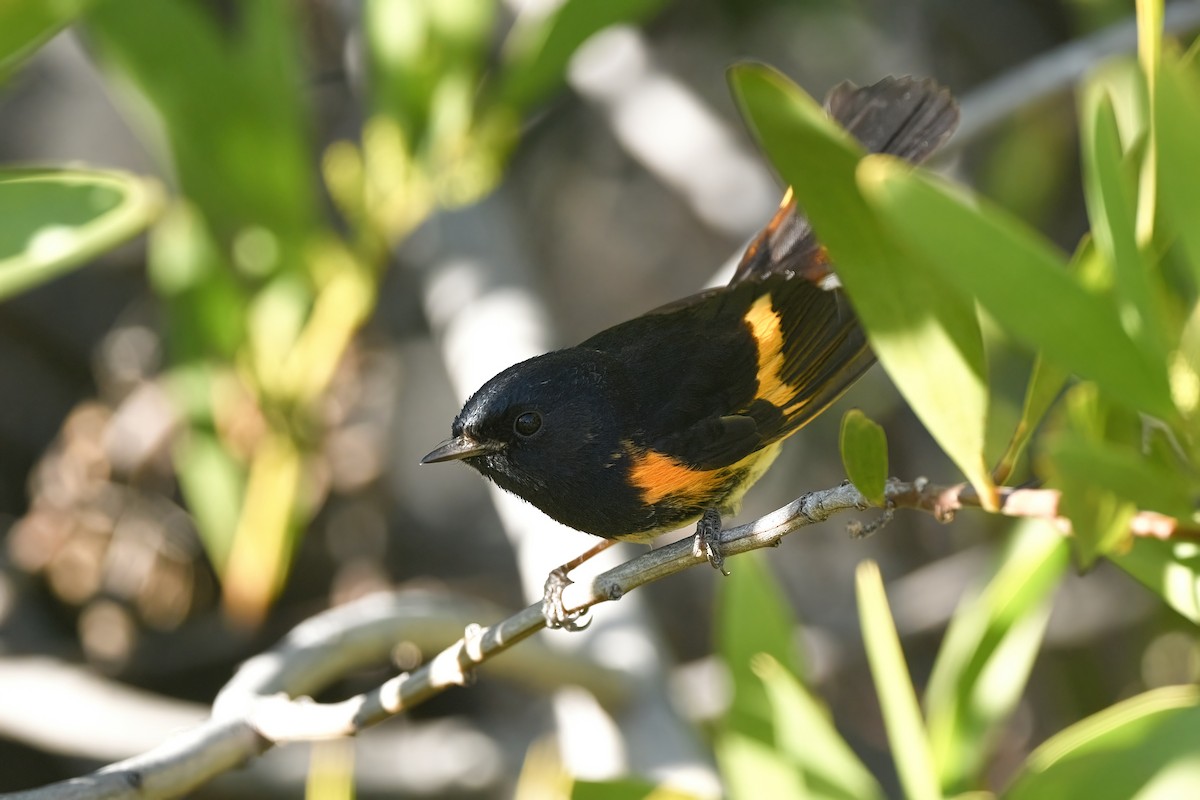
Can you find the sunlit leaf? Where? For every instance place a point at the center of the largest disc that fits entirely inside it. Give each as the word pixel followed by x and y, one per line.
pixel 1150 36
pixel 1020 279
pixel 1171 569
pixel 1146 747
pixel 57 219
pixel 806 735
pixel 1176 120
pixel 752 769
pixel 1111 201
pixel 988 652
pixel 924 332
pixel 864 454
pixel 897 699
pixel 752 593
pixel 421 52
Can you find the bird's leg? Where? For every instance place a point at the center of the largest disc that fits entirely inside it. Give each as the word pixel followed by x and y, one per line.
pixel 553 609
pixel 707 541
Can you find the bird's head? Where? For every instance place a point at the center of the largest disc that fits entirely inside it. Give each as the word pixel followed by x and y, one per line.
pixel 542 428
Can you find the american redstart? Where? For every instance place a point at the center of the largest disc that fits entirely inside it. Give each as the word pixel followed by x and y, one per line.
pixel 670 417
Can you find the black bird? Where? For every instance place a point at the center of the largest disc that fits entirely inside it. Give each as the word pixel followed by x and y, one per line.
pixel 670 417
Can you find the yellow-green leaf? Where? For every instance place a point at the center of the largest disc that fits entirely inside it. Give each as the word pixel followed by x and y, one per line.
pixel 1020 279
pixel 897 699
pixel 56 219
pixel 864 454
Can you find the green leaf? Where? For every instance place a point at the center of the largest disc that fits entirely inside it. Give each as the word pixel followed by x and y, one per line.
pixel 752 593
pixel 897 700
pixel 1149 35
pixel 26 25
pixel 537 51
pixel 626 789
pixel 1112 207
pixel 1019 279
pixel 1170 569
pixel 752 769
pixel 1176 120
pixel 864 454
pixel 925 334
pixel 56 219
pixel 1146 747
pixel 422 52
pixel 988 652
pixel 1046 382
pixel 805 734
pixel 1124 471
pixel 227 104
pixel 213 485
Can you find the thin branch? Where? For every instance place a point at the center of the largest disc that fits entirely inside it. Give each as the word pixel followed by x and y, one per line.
pixel 256 722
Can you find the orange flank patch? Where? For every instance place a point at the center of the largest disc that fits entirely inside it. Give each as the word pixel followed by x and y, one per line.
pixel 660 477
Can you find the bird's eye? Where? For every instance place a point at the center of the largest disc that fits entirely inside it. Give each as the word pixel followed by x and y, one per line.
pixel 528 423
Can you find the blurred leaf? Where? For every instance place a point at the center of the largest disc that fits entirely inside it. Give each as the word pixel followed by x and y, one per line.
pixel 925 334
pixel 266 531
pixel 26 25
pixel 1019 279
pixel 752 593
pixel 753 769
pixel 212 484
pixel 988 652
pixel 1046 382
pixel 537 51
pixel 56 219
pixel 897 700
pixel 425 58
pixel 805 734
pixel 1176 119
pixel 206 302
pixel 226 104
pixel 1150 33
pixel 1112 207
pixel 1184 366
pixel 864 454
pixel 626 789
pixel 1171 569
pixel 331 771
pixel 1146 747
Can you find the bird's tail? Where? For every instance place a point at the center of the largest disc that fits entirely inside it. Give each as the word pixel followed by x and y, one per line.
pixel 905 117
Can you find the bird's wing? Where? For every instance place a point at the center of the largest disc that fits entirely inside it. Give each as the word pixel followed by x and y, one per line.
pixel 905 117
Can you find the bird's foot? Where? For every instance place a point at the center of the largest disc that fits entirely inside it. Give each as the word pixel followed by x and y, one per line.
pixel 707 541
pixel 554 611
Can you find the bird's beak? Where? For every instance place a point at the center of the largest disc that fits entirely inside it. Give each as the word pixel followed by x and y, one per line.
pixel 460 447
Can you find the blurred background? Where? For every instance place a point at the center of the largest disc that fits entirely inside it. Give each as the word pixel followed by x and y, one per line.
pixel 369 217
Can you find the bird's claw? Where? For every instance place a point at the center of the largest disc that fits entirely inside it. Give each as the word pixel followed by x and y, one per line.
pixel 707 541
pixel 554 611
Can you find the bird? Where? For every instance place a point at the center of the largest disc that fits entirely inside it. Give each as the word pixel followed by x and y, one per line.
pixel 669 418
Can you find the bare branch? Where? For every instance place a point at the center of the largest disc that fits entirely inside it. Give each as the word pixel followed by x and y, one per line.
pixel 247 722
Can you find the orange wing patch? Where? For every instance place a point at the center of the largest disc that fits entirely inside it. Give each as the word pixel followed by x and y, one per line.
pixel 767 329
